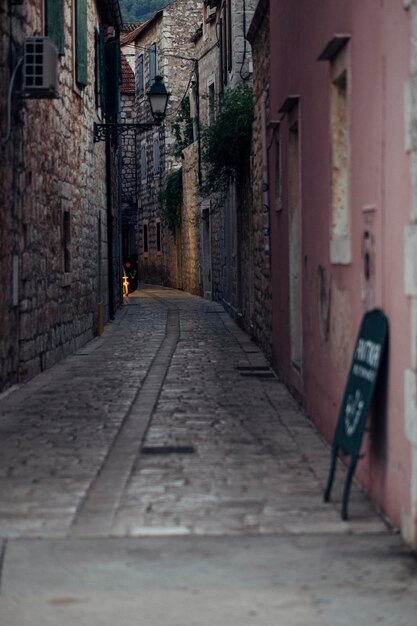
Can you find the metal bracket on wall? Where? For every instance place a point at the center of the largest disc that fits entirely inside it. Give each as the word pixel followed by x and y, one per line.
pixel 102 132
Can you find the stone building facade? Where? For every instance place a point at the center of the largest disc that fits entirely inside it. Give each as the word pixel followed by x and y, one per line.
pixel 263 135
pixel 225 61
pixel 163 48
pixel 189 243
pixel 55 201
pixel 128 165
pixel 342 169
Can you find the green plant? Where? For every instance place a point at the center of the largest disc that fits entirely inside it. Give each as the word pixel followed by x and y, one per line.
pixel 172 198
pixel 227 141
pixel 183 128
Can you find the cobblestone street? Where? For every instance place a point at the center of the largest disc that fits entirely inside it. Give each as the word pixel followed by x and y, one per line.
pixel 171 423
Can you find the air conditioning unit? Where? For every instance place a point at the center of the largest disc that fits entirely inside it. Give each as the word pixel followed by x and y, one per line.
pixel 40 68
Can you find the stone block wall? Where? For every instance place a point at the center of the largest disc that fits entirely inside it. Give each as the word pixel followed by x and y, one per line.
pixel 190 225
pixel 262 202
pixel 231 211
pixel 54 186
pixel 11 171
pixel 171 32
pixel 129 178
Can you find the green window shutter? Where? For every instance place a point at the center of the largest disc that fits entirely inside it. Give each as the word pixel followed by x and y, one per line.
pixel 54 23
pixel 141 77
pixel 81 74
pixel 152 63
pixel 112 80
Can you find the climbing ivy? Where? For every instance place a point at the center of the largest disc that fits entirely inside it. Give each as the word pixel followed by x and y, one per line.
pixel 183 128
pixel 226 142
pixel 172 198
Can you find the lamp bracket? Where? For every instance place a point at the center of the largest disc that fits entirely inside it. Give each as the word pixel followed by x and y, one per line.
pixel 102 132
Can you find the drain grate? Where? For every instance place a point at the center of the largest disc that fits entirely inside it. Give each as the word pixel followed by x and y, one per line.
pixel 168 450
pixel 259 371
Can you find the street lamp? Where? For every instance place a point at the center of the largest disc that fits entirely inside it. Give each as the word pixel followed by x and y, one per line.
pixel 158 98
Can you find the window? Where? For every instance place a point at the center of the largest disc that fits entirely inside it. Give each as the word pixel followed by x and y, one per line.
pixel 223 49
pixel 145 239
pixel 54 23
pixel 66 241
pixel 278 170
pixel 158 236
pixel 100 77
pixel 295 239
pixel 194 111
pixel 143 161
pixel 229 34
pixel 156 155
pixel 80 42
pixel 340 159
pixel 140 77
pixel 337 53
pixel 152 63
pixel 211 103
pixel 113 63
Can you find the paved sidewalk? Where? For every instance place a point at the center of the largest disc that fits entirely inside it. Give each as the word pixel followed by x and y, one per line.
pixel 172 424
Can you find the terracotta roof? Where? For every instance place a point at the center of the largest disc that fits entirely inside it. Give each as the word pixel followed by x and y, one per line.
pixel 130 37
pixel 129 26
pixel 128 77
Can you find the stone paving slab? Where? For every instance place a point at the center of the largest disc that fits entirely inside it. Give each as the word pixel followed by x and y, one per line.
pixel 258 466
pixel 222 521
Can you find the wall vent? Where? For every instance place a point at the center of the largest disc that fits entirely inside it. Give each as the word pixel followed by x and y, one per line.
pixel 40 68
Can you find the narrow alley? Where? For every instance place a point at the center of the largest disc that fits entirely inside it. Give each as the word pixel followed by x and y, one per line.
pixel 162 475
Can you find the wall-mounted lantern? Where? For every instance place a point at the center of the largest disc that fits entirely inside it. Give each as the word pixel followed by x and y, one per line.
pixel 158 97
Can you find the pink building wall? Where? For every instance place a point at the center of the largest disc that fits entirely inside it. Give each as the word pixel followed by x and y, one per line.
pixel 335 296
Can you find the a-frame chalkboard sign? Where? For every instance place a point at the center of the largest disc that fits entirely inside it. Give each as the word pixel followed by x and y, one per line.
pixel 357 399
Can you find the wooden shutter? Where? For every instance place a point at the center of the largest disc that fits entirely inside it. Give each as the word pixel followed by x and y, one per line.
pixel 112 80
pixel 229 36
pixel 54 23
pixel 141 77
pixel 152 63
pixel 156 156
pixel 223 45
pixel 81 29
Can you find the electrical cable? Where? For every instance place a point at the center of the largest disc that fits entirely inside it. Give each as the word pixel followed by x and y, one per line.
pixel 244 76
pixel 173 113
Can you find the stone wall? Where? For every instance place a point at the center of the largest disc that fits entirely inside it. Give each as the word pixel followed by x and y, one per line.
pixel 155 266
pixel 54 182
pixel 190 225
pixel 261 318
pixel 129 178
pixel 11 167
pixel 230 210
pixel 171 33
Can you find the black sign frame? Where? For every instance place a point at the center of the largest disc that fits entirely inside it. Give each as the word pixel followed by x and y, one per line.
pixel 357 399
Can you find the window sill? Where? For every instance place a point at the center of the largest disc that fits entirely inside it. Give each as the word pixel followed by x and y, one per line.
pixel 340 251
